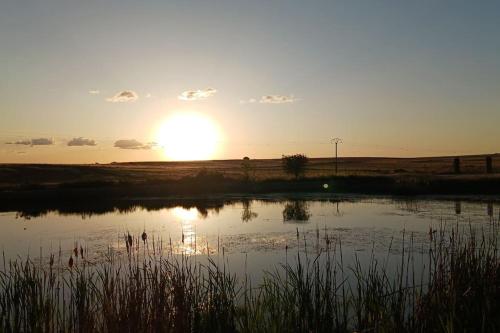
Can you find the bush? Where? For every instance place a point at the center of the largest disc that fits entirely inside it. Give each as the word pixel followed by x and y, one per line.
pixel 295 164
pixel 247 168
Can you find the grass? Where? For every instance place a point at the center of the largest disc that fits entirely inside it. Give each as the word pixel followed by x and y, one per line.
pixel 63 185
pixel 13 176
pixel 155 290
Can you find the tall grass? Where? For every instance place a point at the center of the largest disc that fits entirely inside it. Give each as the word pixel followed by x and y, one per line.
pixel 155 290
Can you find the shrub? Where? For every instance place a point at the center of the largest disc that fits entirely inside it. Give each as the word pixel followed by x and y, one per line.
pixel 247 168
pixel 294 164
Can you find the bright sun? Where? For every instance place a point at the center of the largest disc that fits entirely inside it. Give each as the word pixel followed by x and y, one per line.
pixel 188 136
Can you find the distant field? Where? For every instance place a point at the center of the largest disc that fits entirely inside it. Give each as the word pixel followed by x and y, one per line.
pixel 24 174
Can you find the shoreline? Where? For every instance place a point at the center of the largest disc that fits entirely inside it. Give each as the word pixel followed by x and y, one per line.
pixel 219 185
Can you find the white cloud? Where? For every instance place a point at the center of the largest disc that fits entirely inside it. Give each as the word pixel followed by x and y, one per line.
pixel 94 92
pixel 81 142
pixel 133 144
pixel 123 96
pixel 193 95
pixel 33 142
pixel 42 142
pixel 251 100
pixel 271 99
pixel 278 99
pixel 21 142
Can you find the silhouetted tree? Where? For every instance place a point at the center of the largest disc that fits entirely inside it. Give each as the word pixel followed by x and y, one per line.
pixel 294 164
pixel 489 164
pixel 246 167
pixel 456 165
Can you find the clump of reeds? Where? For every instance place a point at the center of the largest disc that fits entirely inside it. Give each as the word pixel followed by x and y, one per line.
pixel 152 290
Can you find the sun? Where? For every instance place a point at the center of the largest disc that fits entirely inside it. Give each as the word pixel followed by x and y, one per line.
pixel 188 136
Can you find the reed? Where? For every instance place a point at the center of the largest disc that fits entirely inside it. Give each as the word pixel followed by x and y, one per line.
pixel 153 289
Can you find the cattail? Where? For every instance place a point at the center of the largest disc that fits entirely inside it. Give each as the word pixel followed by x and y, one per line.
pixel 130 241
pixel 51 262
pixel 144 236
pixel 81 251
pixel 70 263
pixel 183 238
pixel 75 251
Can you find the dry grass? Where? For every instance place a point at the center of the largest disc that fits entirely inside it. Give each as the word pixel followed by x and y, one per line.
pixel 262 169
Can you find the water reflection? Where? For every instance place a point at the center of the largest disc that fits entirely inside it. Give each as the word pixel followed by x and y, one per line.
pixel 184 214
pixel 489 209
pixel 259 224
pixel 247 214
pixel 458 207
pixel 426 206
pixel 296 211
pixel 88 209
pixel 338 212
pixel 295 208
pixel 410 206
pixel 188 237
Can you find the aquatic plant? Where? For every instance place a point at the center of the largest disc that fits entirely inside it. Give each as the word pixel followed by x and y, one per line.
pixel 152 289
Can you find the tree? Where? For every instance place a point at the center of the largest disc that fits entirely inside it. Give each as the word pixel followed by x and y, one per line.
pixel 294 164
pixel 246 167
pixel 489 164
pixel 456 165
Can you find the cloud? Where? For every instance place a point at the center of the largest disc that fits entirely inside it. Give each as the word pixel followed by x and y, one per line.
pixel 251 100
pixel 271 99
pixel 33 142
pixel 123 96
pixel 22 142
pixel 193 95
pixel 81 142
pixel 277 99
pixel 133 144
pixel 94 92
pixel 42 142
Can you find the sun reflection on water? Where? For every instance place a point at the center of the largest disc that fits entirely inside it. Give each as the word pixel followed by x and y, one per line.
pixel 188 218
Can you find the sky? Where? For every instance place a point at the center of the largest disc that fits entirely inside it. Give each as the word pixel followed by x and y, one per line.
pixel 103 81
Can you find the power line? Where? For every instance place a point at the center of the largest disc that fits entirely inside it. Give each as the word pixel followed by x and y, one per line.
pixel 336 141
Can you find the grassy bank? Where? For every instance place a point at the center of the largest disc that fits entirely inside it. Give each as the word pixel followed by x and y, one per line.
pixel 215 183
pixel 146 179
pixel 155 290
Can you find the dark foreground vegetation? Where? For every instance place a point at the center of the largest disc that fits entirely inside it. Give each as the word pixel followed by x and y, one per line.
pixel 151 289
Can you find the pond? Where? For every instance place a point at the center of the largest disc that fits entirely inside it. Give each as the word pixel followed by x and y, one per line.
pixel 255 233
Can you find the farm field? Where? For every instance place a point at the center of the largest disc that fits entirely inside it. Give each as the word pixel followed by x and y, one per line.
pixel 262 169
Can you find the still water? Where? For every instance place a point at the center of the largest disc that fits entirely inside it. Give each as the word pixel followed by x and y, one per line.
pixel 253 232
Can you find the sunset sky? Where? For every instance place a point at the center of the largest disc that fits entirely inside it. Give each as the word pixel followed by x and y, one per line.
pixel 102 81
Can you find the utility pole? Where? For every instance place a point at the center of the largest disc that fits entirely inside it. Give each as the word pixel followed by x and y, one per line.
pixel 336 141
